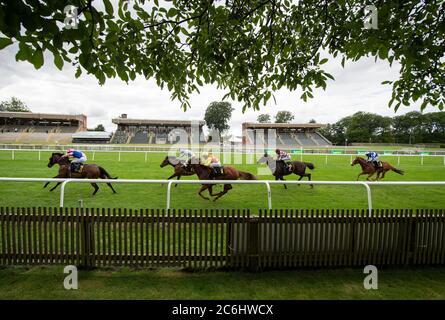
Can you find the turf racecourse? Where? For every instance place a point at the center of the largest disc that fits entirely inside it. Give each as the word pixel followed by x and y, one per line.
pixel 136 166
pixel 123 283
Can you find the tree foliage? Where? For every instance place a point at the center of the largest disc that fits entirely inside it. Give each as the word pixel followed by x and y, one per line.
pixel 413 127
pixel 99 127
pixel 263 118
pixel 14 105
pixel 250 48
pixel 217 116
pixel 284 117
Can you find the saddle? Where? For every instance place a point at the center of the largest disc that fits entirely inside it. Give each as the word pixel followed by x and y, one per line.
pixel 216 172
pixel 76 167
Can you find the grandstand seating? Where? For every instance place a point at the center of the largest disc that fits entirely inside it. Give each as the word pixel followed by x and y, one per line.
pixel 304 139
pixel 140 137
pixel 319 139
pixel 161 138
pixel 119 137
pixel 286 139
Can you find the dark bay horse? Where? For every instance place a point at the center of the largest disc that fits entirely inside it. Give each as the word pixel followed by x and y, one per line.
pixel 229 173
pixel 279 170
pixel 90 171
pixel 369 168
pixel 180 169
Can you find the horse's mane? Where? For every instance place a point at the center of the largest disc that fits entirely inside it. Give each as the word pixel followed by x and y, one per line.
pixel 57 154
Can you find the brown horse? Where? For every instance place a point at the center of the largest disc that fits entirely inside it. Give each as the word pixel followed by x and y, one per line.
pixel 279 171
pixel 178 166
pixel 89 171
pixel 229 173
pixel 369 168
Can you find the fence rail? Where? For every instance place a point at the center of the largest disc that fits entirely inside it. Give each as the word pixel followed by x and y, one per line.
pixel 220 238
pixel 267 183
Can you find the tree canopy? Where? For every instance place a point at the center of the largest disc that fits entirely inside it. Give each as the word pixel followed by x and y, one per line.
pixel 217 116
pixel 14 105
pixel 284 117
pixel 263 118
pixel 249 48
pixel 413 127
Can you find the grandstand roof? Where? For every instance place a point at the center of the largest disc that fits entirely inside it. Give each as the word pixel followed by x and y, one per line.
pixel 252 125
pixel 92 135
pixel 40 116
pixel 156 122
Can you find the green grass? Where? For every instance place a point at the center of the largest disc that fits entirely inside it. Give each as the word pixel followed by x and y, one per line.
pixel 133 166
pixel 124 283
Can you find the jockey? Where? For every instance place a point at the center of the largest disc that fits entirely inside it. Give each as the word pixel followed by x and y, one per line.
pixel 214 163
pixel 186 156
pixel 78 157
pixel 284 158
pixel 373 157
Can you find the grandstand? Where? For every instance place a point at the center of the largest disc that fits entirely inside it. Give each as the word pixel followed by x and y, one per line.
pixel 91 137
pixel 29 127
pixel 148 131
pixel 283 135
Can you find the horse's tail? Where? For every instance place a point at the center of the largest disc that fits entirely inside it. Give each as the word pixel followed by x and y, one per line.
pixel 104 174
pixel 310 165
pixel 397 170
pixel 247 176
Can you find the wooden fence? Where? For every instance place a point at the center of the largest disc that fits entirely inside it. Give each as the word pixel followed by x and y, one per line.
pixel 217 238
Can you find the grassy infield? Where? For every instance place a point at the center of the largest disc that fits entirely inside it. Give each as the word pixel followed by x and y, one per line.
pixel 122 283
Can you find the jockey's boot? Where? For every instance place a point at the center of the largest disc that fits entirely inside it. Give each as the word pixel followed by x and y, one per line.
pixel 289 166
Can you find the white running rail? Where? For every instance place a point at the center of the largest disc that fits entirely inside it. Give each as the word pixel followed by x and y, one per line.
pixel 267 183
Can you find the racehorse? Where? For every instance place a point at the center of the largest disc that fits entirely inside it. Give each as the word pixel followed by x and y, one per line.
pixel 89 171
pixel 180 169
pixel 229 173
pixel 279 171
pixel 369 168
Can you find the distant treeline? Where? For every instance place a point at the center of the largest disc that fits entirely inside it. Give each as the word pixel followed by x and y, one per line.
pixel 411 128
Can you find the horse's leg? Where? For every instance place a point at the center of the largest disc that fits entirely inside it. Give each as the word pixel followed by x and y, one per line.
pixel 203 187
pixel 282 179
pixel 360 174
pixel 309 178
pixel 96 188
pixel 370 175
pixel 52 189
pixel 227 187
pixel 110 185
pixel 46 184
pixel 179 177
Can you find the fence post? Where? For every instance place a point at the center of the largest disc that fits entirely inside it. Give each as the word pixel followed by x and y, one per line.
pixel 252 244
pixel 86 239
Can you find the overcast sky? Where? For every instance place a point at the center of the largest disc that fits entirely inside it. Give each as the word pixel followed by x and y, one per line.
pixel 357 87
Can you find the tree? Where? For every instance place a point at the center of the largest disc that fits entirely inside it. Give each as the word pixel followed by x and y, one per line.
pixel 284 117
pixel 250 48
pixel 99 127
pixel 312 121
pixel 264 118
pixel 14 105
pixel 217 116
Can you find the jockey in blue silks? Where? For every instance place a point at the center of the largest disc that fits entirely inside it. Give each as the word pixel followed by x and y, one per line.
pixel 373 157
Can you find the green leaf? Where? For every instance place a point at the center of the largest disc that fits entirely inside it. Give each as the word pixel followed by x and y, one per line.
pixel 58 61
pixel 323 61
pixel 4 42
pixel 172 12
pixel 37 59
pixel 78 72
pixel 109 7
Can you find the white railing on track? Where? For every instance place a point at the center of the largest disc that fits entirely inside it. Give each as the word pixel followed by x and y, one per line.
pixel 300 156
pixel 267 183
